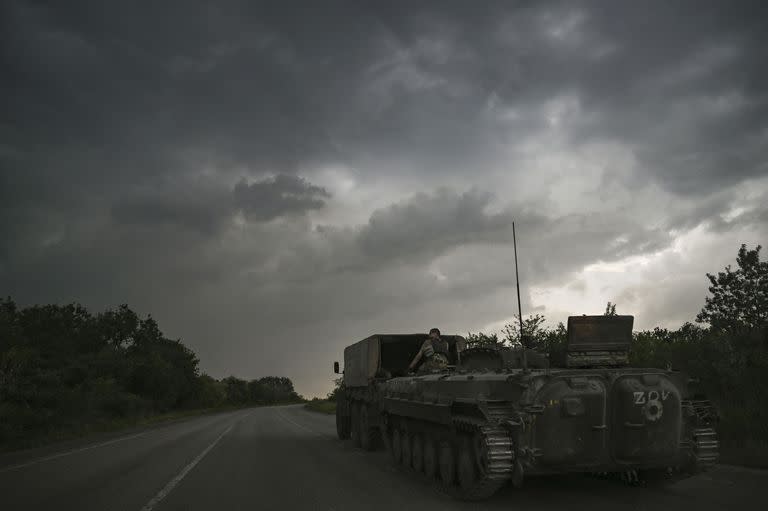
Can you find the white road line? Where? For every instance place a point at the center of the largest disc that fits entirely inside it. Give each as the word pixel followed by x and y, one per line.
pixel 176 480
pixel 67 453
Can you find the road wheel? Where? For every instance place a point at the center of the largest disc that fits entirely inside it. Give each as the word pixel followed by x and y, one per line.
pixel 368 437
pixel 417 447
pixel 429 456
pixel 397 447
pixel 407 449
pixel 466 465
pixel 343 422
pixel 355 420
pixel 447 462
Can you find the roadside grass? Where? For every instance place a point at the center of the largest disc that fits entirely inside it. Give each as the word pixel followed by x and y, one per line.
pixel 102 426
pixel 321 406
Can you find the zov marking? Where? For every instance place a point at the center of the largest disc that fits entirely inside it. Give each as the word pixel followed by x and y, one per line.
pixel 652 395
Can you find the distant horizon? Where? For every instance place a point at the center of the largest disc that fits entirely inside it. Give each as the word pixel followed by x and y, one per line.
pixel 320 393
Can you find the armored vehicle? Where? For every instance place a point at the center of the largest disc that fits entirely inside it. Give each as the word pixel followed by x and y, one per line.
pixel 497 415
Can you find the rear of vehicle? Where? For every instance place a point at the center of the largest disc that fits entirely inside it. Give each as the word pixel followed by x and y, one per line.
pixel 599 415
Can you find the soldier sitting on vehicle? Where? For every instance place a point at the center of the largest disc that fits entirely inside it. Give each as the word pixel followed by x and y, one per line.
pixel 434 351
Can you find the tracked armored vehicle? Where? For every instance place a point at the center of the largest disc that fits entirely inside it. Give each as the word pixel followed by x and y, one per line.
pixel 495 416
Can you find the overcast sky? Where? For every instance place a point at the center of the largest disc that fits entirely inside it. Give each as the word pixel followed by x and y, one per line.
pixel 274 184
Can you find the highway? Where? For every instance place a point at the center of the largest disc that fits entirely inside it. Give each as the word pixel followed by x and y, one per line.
pixel 289 458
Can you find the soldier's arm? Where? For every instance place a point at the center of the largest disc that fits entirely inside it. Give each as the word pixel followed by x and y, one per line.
pixel 416 358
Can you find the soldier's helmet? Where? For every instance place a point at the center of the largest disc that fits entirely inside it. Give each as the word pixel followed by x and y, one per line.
pixel 434 330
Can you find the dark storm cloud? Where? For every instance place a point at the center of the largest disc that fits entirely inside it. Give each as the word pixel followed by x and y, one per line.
pixel 137 141
pixel 250 84
pixel 183 205
pixel 425 226
pixel 755 217
pixel 690 95
pixel 278 196
pixel 205 206
pixel 429 223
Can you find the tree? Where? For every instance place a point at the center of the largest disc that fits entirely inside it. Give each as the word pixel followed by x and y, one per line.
pixel 236 390
pixel 533 333
pixel 210 393
pixel 338 385
pixel 482 340
pixel 554 342
pixel 257 393
pixel 551 341
pixel 277 389
pixel 64 369
pixel 610 309
pixel 739 298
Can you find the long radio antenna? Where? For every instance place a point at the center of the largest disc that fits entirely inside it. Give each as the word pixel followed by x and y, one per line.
pixel 519 305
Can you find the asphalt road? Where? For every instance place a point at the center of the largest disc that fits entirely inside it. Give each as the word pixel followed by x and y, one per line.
pixel 289 458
